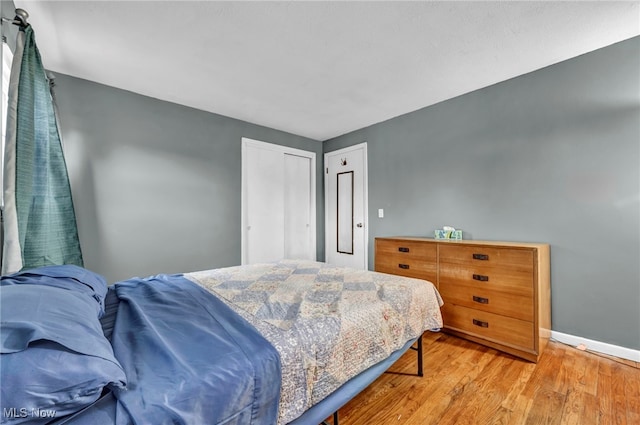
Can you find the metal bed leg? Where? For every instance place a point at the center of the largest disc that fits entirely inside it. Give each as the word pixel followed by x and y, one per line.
pixel 335 419
pixel 420 356
pixel 419 350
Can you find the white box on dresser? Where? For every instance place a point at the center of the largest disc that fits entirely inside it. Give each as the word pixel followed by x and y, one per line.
pixel 495 293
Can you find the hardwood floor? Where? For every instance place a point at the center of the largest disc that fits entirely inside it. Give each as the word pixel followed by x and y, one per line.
pixel 466 383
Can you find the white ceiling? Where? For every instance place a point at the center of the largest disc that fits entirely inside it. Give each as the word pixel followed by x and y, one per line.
pixel 317 69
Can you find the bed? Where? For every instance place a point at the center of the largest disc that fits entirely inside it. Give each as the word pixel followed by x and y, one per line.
pixel 288 342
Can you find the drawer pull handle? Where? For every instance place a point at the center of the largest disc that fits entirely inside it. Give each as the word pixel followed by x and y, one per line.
pixel 403 266
pixel 403 249
pixel 483 257
pixel 480 323
pixel 481 300
pixel 481 277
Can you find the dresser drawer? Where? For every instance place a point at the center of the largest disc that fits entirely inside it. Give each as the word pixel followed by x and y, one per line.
pixel 489 300
pixel 493 327
pixel 407 249
pixel 407 266
pixel 407 258
pixel 508 280
pixel 487 256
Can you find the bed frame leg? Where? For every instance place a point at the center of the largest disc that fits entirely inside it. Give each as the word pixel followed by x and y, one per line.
pixel 419 350
pixel 335 419
pixel 420 373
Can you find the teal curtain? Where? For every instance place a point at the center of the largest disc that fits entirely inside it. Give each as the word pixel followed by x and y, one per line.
pixel 39 218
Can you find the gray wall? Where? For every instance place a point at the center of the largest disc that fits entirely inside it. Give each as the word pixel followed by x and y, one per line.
pixel 552 156
pixel 156 185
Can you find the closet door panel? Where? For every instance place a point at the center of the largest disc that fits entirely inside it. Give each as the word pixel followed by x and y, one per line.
pixel 278 203
pixel 265 204
pixel 297 208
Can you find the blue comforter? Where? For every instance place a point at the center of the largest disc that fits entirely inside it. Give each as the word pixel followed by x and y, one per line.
pixel 189 359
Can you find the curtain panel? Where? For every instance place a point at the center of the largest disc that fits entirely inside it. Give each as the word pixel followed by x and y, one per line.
pixel 39 218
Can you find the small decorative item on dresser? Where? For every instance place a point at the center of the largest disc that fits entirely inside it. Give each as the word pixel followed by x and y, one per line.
pixel 448 232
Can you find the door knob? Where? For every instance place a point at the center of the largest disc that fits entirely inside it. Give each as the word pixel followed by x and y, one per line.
pixel 359 225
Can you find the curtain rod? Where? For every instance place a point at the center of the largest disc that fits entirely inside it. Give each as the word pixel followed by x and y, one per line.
pixel 20 19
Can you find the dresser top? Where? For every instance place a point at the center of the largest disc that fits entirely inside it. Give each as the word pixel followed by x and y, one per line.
pixel 466 241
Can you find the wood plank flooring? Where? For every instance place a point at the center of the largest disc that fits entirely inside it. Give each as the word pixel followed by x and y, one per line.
pixel 466 383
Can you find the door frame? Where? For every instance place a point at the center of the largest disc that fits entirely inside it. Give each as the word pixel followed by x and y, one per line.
pixel 247 143
pixel 365 196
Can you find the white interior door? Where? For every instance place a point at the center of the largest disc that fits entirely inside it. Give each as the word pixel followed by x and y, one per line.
pixel 346 207
pixel 298 237
pixel 278 203
pixel 264 203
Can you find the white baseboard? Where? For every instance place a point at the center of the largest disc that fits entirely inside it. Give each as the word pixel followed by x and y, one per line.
pixel 597 346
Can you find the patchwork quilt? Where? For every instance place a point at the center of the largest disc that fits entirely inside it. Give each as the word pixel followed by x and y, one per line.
pixel 327 323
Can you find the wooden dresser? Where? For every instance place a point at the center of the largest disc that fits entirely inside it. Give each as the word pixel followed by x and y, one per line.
pixel 495 293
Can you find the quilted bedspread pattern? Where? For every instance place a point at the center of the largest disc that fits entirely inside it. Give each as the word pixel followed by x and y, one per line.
pixel 327 323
